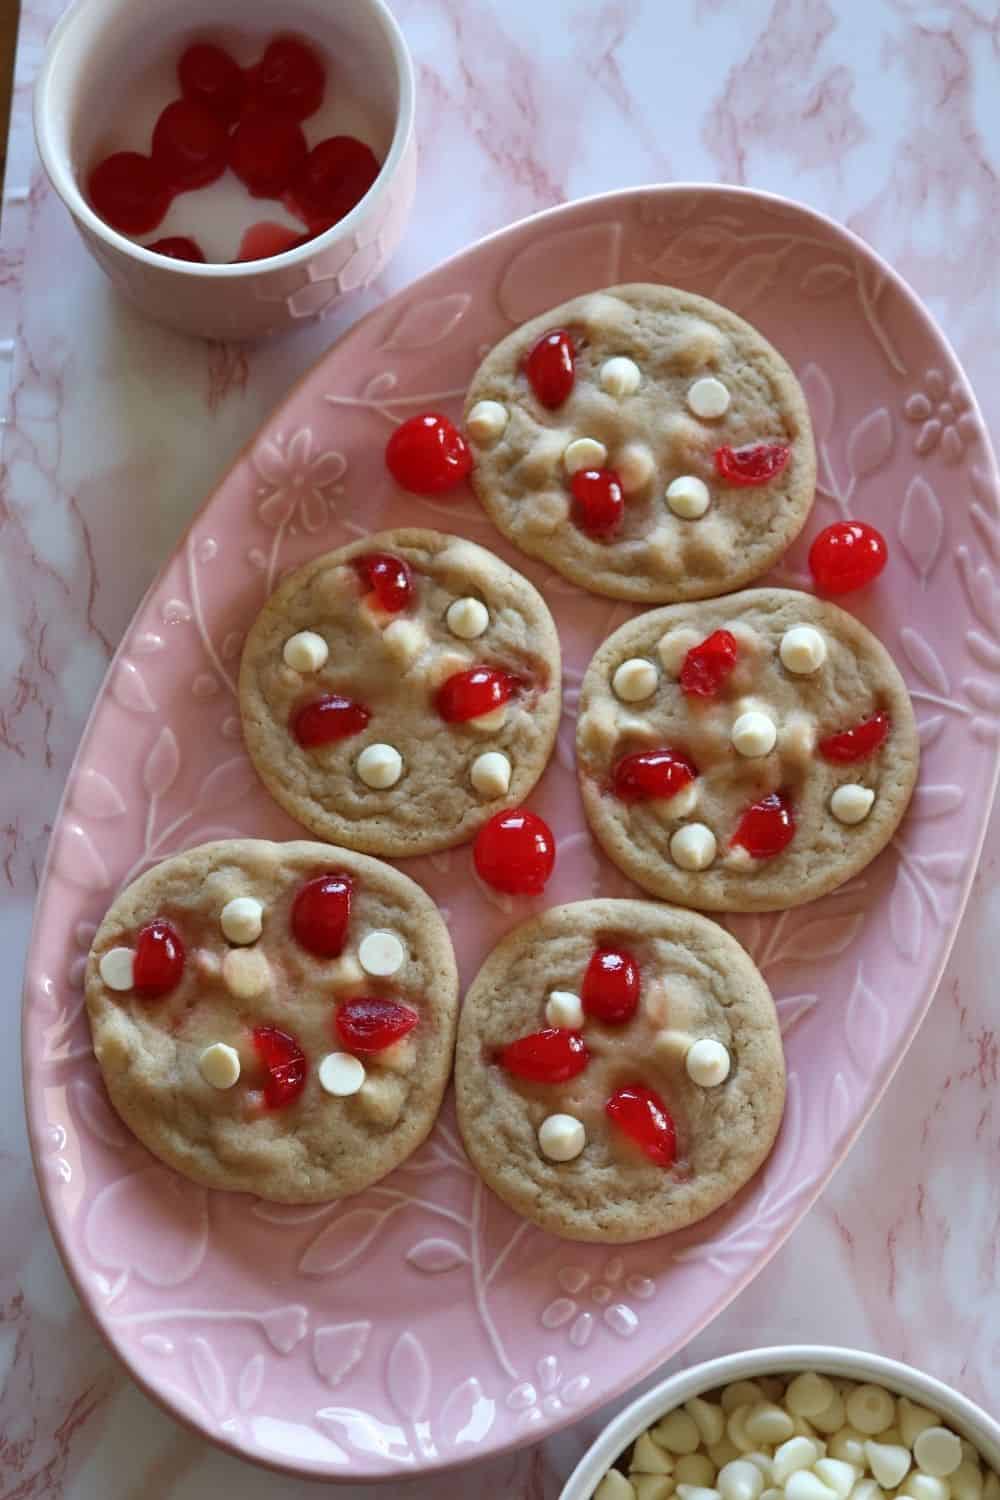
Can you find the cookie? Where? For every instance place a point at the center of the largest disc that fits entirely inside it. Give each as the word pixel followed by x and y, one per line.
pixel 619 1071
pixel 745 754
pixel 276 1019
pixel 645 442
pixel 397 693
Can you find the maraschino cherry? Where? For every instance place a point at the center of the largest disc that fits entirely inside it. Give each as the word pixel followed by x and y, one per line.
pixel 371 1024
pixel 289 80
pixel 650 774
pixel 388 578
pixel 178 247
pixel 610 990
pixel 641 1114
pixel 846 556
pixel 265 151
pixel 210 77
pixel 550 367
pixel 767 827
pixel 327 720
pixel 471 694
pixel 751 465
pixel 857 743
pixel 428 455
pixel 159 960
pixel 284 1064
pixel 551 1056
pixel 707 665
pixel 320 915
pixel 334 177
pixel 129 191
pixel 515 852
pixel 189 145
pixel 598 501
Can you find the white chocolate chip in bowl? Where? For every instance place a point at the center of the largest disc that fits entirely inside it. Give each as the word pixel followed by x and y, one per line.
pixel 708 398
pixel 688 497
pixel 584 453
pixel 851 803
pixel 242 919
pixel 561 1137
pixel 381 953
pixel 490 774
pixel 379 766
pixel 635 680
pixel 487 421
pixel 620 376
pixel 564 1008
pixel 306 651
pixel 802 650
pixel 708 1064
pixel 341 1074
pixel 693 847
pixel 467 618
pixel 219 1065
pixel 117 969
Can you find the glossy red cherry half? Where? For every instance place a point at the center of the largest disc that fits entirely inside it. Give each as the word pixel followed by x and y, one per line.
pixel 372 1024
pixel 210 77
pixel 515 852
pixel 708 664
pixel 846 556
pixel 857 743
pixel 598 502
pixel 388 578
pixel 651 774
pixel 610 990
pixel 753 464
pixel 767 827
pixel 129 192
pixel 321 912
pixel 551 1056
pixel 178 247
pixel 190 145
pixel 265 152
pixel 159 960
pixel 332 180
pixel 641 1114
pixel 469 695
pixel 550 368
pixel 267 238
pixel 428 455
pixel 327 720
pixel 284 1064
pixel 289 80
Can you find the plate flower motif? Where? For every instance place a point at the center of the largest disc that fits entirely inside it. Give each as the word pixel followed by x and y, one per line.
pixel 549 1394
pixel 943 414
pixel 604 1292
pixel 300 481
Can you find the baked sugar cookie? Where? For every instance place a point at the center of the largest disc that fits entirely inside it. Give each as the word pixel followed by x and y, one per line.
pixel 645 442
pixel 277 1019
pixel 399 692
pixel 619 1071
pixel 745 754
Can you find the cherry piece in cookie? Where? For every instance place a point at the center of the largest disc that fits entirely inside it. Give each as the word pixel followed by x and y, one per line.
pixel 428 455
pixel 327 720
pixel 767 827
pixel 598 503
pixel 846 556
pixel 550 368
pixel 515 852
pixel 651 774
pixel 332 180
pixel 389 579
pixel 209 76
pixel 284 1064
pixel 753 464
pixel 610 990
pixel 857 743
pixel 265 152
pixel 641 1114
pixel 707 665
pixel 371 1024
pixel 178 247
pixel 189 145
pixel 159 960
pixel 289 80
pixel 551 1056
pixel 472 694
pixel 320 914
pixel 129 192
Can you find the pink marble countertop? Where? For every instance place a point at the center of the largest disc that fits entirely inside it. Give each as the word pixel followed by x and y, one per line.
pixel 883 113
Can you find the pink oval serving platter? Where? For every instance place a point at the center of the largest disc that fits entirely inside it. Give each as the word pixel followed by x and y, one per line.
pixel 421 1324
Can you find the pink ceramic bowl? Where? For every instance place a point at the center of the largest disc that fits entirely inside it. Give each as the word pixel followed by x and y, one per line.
pixel 107 57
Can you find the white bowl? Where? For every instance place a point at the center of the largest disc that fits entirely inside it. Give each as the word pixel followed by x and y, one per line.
pixel 95 55
pixel 968 1420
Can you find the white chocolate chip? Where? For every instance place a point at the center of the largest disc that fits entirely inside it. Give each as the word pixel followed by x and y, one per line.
pixel 306 651
pixel 723 1452
pixel 584 453
pixel 446 663
pixel 802 650
pixel 677 1433
pixel 563 1008
pixel 649 1458
pixel 341 1074
pixel 620 376
pixel 840 1476
pixel 614 1486
pixel 634 680
pixel 688 497
pixel 379 766
pixel 241 919
pixel 920 1486
pixel 832 1417
pixel 693 847
pixel 708 1063
pixel 852 803
pixel 696 1492
pixel 805 1485
pixel 673 647
pixel 490 774
pixel 708 398
pixel 381 953
pixel 967 1481
pixel 739 1480
pixel 117 968
pixel 754 734
pixel 735 1430
pixel 868 1489
pixel 848 1445
pixel 246 973
pixel 808 1394
pixel 870 1409
pixel 914 1419
pixel 681 805
pixel 404 640
pixel 670 1046
pixel 487 421
pixel 938 1452
pixel 693 1468
pixel 708 1418
pixel 467 618
pixel 634 467
pixel 219 1065
pixel 798 1453
pixel 561 1137
pixel 889 1462
pixel 491 722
